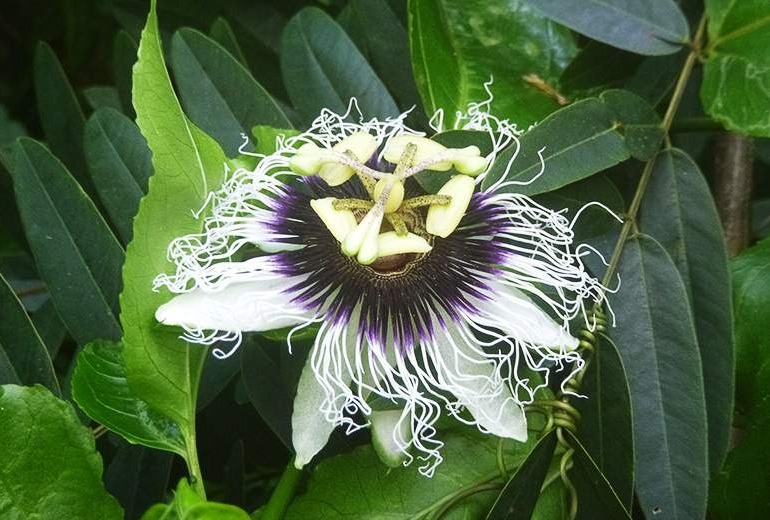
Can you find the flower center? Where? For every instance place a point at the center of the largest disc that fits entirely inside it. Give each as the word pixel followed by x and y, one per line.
pixel 363 237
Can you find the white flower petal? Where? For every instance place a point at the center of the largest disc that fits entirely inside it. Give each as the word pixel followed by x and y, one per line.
pixel 310 429
pixel 322 393
pixel 479 388
pixel 524 320
pixel 238 307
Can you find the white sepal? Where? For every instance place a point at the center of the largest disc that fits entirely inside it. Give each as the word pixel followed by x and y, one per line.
pixel 238 307
pixel 479 388
pixel 526 321
pixel 442 220
pixel 389 243
pixel 310 428
pixel 339 222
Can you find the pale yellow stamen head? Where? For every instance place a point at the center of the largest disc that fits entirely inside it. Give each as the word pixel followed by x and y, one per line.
pixel 340 222
pixel 361 145
pixel 442 220
pixel 425 150
pixel 390 243
pixel 395 196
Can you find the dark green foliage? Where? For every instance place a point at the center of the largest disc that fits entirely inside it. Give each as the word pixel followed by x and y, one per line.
pixel 116 121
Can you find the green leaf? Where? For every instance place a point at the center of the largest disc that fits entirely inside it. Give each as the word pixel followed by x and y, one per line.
pixel 9 128
pixel 645 27
pixel 751 295
pixel 187 505
pixel 740 489
pixel 49 327
pixel 382 38
pixel 597 67
pixel 640 125
pixel 138 477
pixel 606 428
pixel 267 391
pixel 7 372
pixel 51 468
pixel 23 347
pixel 100 388
pixel 124 50
pixel 736 81
pixel 217 92
pixel 162 369
pixel 576 142
pixel 656 340
pixel 594 220
pixel 736 92
pixel 596 497
pixel 265 137
pixel 99 96
pixel 119 164
pixel 655 77
pixel 358 485
pixel 61 117
pixel 518 498
pixel 77 255
pixel 322 68
pixel 223 34
pixel 216 376
pixel 458 45
pixel 680 213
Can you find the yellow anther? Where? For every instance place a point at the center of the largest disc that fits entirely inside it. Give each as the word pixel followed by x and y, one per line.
pixel 361 145
pixel 396 195
pixel 468 160
pixel 390 243
pixel 307 160
pixel 362 241
pixel 443 220
pixel 340 222
pixel 426 149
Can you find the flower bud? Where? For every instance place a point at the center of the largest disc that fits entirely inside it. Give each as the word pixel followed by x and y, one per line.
pixel 443 220
pixel 391 434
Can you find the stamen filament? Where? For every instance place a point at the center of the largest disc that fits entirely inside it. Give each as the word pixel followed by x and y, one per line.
pixel 426 200
pixel 340 204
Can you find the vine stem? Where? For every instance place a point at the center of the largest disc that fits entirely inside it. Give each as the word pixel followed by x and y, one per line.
pixel 193 467
pixel 676 98
pixel 284 492
pixel 566 416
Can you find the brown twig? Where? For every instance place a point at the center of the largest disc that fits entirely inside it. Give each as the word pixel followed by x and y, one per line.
pixel 734 178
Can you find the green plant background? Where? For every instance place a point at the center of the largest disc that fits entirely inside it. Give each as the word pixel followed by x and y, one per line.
pixel 115 120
